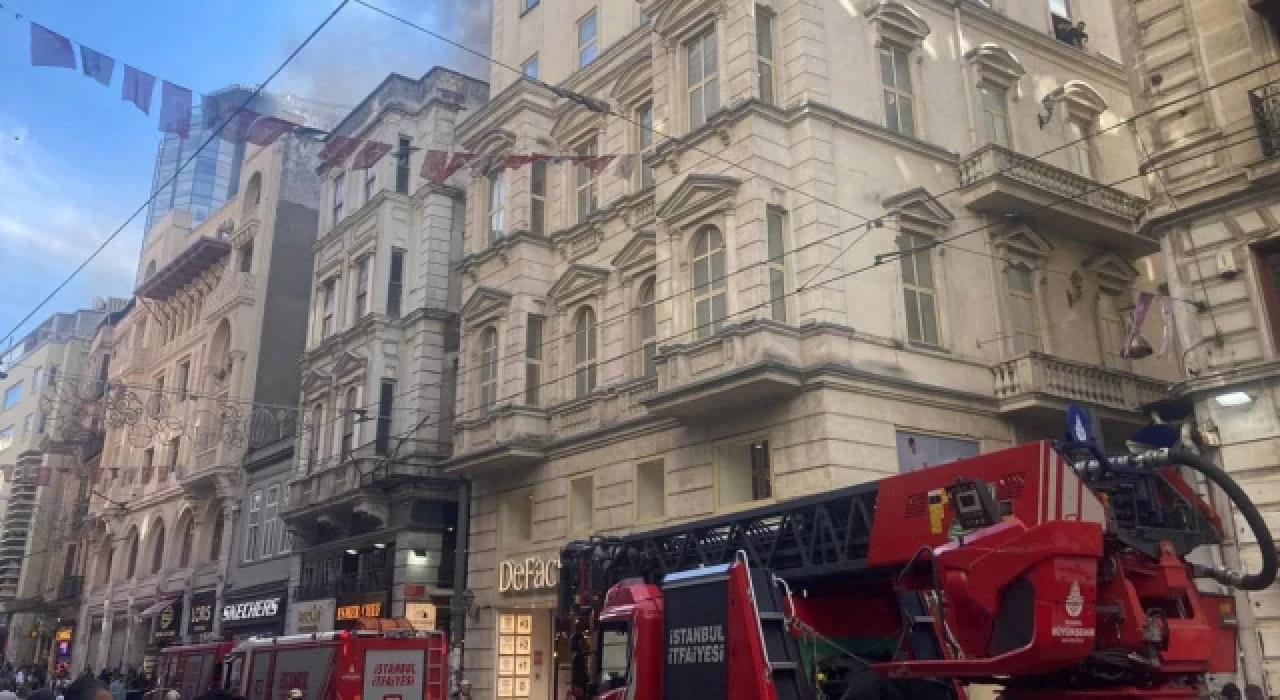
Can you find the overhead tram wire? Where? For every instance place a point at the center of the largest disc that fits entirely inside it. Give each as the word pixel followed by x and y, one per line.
pixel 216 134
pixel 878 261
pixel 600 106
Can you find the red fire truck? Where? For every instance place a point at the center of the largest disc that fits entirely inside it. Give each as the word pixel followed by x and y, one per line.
pixel 1049 570
pixel 399 664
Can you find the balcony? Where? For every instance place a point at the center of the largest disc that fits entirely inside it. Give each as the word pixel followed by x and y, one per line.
pixel 1265 103
pixel 346 584
pixel 235 288
pixel 738 367
pixel 1041 383
pixel 185 268
pixel 999 181
pixel 509 437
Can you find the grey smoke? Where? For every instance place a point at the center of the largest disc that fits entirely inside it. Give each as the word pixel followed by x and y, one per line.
pixel 360 47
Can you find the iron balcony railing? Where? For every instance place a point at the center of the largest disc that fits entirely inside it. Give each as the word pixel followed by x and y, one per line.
pixel 1265 103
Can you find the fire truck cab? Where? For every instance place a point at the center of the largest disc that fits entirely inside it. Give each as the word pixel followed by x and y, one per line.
pixel 190 669
pixel 370 665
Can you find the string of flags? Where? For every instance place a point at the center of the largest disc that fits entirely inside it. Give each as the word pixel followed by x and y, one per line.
pixel 137 87
pixel 42 476
pixel 243 125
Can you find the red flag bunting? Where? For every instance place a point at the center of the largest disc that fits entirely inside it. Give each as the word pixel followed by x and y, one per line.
pixel 369 156
pixel 438 166
pixel 338 148
pixel 266 130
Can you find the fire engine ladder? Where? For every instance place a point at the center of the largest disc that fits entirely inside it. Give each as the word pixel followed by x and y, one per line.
pixel 780 649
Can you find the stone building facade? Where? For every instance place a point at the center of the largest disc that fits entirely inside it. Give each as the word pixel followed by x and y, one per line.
pixel 376 525
pixel 1215 209
pixel 219 321
pixel 710 327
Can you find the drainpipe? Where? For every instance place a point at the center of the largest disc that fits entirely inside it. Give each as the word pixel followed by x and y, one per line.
pixel 458 606
pixel 964 80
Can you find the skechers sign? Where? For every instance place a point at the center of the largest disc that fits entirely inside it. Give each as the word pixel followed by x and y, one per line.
pixel 253 610
pixel 529 574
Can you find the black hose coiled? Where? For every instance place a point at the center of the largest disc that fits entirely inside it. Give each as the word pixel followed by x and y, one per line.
pixel 1242 502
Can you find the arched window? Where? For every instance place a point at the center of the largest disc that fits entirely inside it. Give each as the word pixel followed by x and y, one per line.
pixel 647 326
pixel 157 548
pixel 104 564
pixel 317 428
pixel 709 302
pixel 584 351
pixel 188 543
pixel 131 566
pixel 349 423
pixel 253 193
pixel 488 369
pixel 215 542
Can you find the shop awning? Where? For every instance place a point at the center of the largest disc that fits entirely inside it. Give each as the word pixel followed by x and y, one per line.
pixel 156 607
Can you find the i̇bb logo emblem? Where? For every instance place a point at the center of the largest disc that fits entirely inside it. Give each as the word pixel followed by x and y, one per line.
pixel 1075 601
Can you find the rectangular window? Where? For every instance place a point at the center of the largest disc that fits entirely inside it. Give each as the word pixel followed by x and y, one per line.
pixel 516 512
pixel 588 39
pixel 339 197
pixel 1268 265
pixel 1022 308
pixel 246 257
pixel 586 182
pixel 1060 8
pixel 531 68
pixel 538 197
pixel 651 491
pixel 148 463
pixel 157 398
pixel 362 287
pixel 581 505
pixel 271 521
pixel 995 115
pixel 184 376
pixel 918 288
pixel 1079 156
pixel 370 182
pixel 917 451
pixel 395 283
pixel 533 360
pixel 286 535
pixel 899 102
pixel 497 202
pixel 386 400
pixel 174 446
pixel 28 423
pixel 644 118
pixel 743 473
pixel 404 153
pixel 777 267
pixel 701 62
pixel 253 521
pixel 12 396
pixel 6 438
pixel 530 4
pixel 328 297
pixel 764 53
pixel 35 380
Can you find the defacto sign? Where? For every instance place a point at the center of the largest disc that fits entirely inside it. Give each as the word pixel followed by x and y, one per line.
pixel 252 610
pixel 528 574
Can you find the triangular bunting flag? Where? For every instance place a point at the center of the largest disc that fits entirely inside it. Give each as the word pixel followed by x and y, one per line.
pixel 138 88
pixel 266 130
pixel 338 148
pixel 96 65
pixel 369 156
pixel 50 48
pixel 438 166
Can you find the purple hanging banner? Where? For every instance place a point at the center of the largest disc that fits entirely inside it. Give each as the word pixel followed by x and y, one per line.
pixel 138 88
pixel 1139 317
pixel 175 110
pixel 98 66
pixel 49 48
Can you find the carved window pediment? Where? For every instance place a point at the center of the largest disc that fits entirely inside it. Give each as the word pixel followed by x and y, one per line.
pixel 495 143
pixel 635 82
pixel 898 23
pixel 1022 241
pixel 697 198
pixel 1083 103
pixel 640 254
pixel 917 209
pixel 996 65
pixel 1114 274
pixel 315 382
pixel 485 304
pixel 349 363
pixel 577 282
pixel 679 18
pixel 575 124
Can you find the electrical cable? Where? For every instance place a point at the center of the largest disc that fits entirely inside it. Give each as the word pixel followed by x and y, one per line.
pixel 216 134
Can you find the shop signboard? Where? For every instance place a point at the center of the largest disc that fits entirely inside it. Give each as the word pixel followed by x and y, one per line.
pixel 515 655
pixel 200 621
pixel 311 616
pixel 528 575
pixel 166 622
pixel 252 612
pixel 351 609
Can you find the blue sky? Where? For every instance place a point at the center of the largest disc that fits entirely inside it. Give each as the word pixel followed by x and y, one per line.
pixel 75 160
